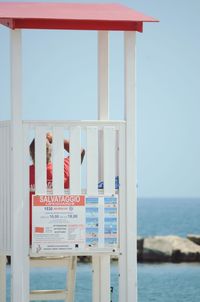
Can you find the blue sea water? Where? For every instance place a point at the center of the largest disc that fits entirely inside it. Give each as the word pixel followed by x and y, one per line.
pixel 168 216
pixel 156 282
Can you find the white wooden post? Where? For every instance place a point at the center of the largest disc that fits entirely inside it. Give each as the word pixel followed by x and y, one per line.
pixel 103 75
pixel 26 192
pixel 128 259
pixel 122 222
pixel 75 188
pixel 18 263
pixel 103 88
pixel 101 264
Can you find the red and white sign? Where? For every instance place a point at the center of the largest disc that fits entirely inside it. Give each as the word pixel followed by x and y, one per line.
pixel 58 223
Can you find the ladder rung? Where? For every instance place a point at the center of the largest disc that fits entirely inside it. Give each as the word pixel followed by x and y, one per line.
pixel 46 262
pixel 37 295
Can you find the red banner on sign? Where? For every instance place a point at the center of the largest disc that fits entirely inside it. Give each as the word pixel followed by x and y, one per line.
pixel 58 200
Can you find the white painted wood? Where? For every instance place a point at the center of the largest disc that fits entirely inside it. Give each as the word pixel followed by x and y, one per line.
pixel 103 89
pixel 101 271
pixel 92 160
pixel 8 197
pixel 40 161
pixel 101 223
pixel 50 261
pixel 105 278
pixel 6 194
pixel 71 279
pixel 75 160
pixel 131 194
pixel 101 276
pixel 82 252
pixel 26 161
pixel 3 187
pixel 103 75
pixel 67 124
pixel 101 155
pixel 109 160
pixel 122 218
pixel 69 263
pixel 26 192
pixel 48 295
pixel 96 288
pixel 117 153
pixel 58 161
pixel 2 278
pixel 17 167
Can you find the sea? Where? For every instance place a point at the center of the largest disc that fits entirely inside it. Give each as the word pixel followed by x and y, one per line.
pixel 156 282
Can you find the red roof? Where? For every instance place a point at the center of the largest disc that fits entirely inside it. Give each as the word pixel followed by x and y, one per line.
pixel 42 15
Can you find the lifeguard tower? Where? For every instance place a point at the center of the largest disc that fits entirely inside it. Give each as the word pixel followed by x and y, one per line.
pixel 104 217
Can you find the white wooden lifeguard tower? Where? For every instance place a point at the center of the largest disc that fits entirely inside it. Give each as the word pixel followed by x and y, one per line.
pixel 113 156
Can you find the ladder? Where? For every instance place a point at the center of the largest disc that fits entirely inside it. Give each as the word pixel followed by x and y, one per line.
pixel 67 295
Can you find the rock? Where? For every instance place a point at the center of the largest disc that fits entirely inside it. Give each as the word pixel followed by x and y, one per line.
pixel 170 249
pixel 194 238
pixel 161 249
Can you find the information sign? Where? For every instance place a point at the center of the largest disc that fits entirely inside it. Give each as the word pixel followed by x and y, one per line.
pixel 73 222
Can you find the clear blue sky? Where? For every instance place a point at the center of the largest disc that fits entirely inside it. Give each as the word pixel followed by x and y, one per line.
pixel 60 82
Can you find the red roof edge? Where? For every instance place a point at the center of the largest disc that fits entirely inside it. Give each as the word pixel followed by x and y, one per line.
pixel 72 24
pixel 7 22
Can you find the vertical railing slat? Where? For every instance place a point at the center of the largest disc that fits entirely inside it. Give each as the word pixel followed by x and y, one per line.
pixel 75 160
pixel 26 184
pixel 58 161
pixel 4 191
pixel 122 211
pixel 26 209
pixel 6 234
pixel 7 199
pixel 6 188
pixel 100 159
pixel 40 160
pixel 109 160
pixel 92 160
pixel 117 153
pixel 9 223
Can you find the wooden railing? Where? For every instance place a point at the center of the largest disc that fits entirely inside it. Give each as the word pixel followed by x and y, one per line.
pixel 102 162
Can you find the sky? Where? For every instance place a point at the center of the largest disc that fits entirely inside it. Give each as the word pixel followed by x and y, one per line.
pixel 60 82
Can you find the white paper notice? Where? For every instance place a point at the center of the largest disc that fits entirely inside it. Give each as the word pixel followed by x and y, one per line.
pixel 58 223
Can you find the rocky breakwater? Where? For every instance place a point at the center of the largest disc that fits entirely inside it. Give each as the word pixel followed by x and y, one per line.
pixel 168 249
pixel 162 249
